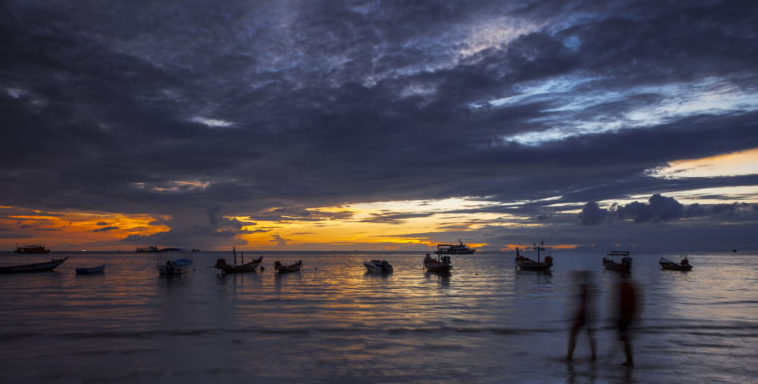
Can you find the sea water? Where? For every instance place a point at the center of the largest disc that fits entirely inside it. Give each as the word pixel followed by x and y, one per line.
pixel 332 323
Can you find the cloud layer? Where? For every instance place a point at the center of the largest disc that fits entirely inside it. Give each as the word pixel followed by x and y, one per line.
pixel 201 111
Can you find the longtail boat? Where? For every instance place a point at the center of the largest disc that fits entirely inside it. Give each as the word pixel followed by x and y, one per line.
pixel 618 261
pixel 287 268
pixel 36 267
pixel 683 265
pixel 440 265
pixel 526 264
pixel 238 268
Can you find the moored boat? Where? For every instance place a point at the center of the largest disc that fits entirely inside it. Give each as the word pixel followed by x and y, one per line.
pixel 618 261
pixel 287 268
pixel 683 265
pixel 238 268
pixel 440 265
pixel 454 249
pixel 90 270
pixel 32 249
pixel 175 267
pixel 242 267
pixel 378 266
pixel 526 264
pixel 35 267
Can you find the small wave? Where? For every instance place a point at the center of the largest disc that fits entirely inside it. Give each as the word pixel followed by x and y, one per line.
pixel 146 334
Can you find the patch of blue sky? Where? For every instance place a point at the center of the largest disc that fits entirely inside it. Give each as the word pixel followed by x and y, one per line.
pixel 673 101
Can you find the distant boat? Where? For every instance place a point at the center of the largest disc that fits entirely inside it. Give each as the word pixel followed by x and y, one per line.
pixel 683 265
pixel 618 261
pixel 30 249
pixel 526 264
pixel 90 270
pixel 378 266
pixel 454 249
pixel 287 268
pixel 154 249
pixel 440 265
pixel 36 267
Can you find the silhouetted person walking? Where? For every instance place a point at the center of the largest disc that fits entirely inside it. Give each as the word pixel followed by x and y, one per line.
pixel 583 317
pixel 627 312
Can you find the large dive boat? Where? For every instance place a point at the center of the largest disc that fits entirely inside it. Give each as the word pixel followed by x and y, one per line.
pixel 454 249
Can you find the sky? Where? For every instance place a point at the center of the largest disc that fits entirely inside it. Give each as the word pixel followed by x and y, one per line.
pixel 379 125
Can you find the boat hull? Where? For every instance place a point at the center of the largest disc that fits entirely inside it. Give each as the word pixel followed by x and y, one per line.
pixel 283 268
pixel 535 267
pixel 437 267
pixel 672 266
pixel 526 264
pixel 36 267
pixel 611 265
pixel 238 268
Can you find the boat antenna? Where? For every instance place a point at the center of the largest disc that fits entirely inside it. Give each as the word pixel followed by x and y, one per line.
pixel 234 251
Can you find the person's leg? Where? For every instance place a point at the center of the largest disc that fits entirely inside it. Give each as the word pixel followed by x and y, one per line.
pixel 593 345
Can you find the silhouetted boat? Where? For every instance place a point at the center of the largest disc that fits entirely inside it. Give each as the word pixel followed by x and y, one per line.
pixel 526 264
pixel 238 268
pixel 378 266
pixel 618 261
pixel 175 267
pixel 454 249
pixel 287 268
pixel 36 267
pixel 683 265
pixel 172 267
pixel 90 270
pixel 439 265
pixel 32 249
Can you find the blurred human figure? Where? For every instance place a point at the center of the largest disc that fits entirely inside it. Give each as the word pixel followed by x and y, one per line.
pixel 627 314
pixel 584 314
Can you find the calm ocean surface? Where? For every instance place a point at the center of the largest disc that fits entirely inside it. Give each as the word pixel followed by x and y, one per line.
pixel 486 323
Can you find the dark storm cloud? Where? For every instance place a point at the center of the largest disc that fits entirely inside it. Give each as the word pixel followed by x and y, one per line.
pixel 663 209
pixel 105 229
pixel 200 110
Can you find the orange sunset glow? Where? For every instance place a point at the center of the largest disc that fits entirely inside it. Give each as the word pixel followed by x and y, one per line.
pixel 75 230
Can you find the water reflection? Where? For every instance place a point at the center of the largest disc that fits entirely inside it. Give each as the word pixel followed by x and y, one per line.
pixel 443 279
pixel 281 278
pixel 575 375
pixel 335 324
